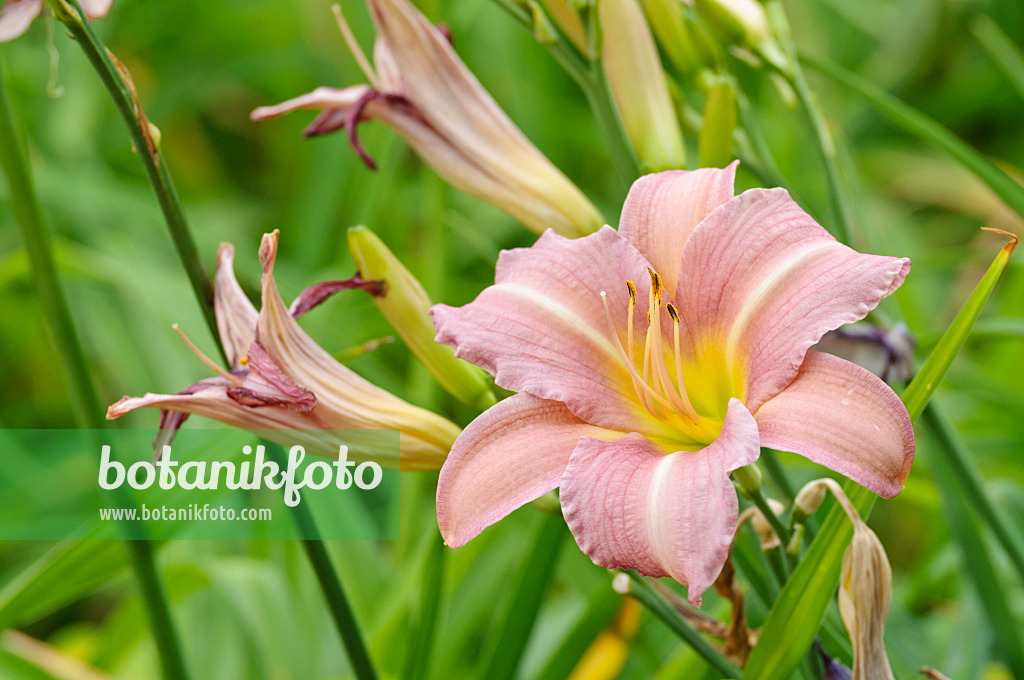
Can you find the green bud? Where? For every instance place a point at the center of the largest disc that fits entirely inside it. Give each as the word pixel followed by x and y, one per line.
pixel 742 21
pixel 566 16
pixel 638 86
pixel 748 478
pixel 406 306
pixel 715 140
pixel 667 21
pixel 543 31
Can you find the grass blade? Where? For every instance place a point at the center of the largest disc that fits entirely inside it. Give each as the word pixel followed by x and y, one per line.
pixel 916 123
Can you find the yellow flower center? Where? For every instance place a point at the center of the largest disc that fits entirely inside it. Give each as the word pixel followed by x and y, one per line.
pixel 686 396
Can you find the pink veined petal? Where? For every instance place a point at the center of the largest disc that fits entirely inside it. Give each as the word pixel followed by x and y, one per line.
pixel 663 209
pixel 543 329
pixel 845 418
pixel 236 315
pixel 16 16
pixel 761 282
pixel 96 9
pixel 513 453
pixel 630 506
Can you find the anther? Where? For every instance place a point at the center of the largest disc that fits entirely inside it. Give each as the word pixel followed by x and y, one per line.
pixel 672 312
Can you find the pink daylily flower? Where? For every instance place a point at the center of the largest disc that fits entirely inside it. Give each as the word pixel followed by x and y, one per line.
pixel 17 15
pixel 280 378
pixel 652 361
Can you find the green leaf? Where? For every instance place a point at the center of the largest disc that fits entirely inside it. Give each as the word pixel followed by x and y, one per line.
pixel 63 575
pixel 916 123
pixel 1001 49
pixel 794 620
pixel 957 502
pixel 508 643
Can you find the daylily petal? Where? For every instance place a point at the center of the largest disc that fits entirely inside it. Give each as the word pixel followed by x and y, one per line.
pixel 543 329
pixel 344 399
pixel 630 506
pixel 663 209
pixel 319 292
pixel 513 453
pixel 16 16
pixel 845 418
pixel 236 316
pixel 761 282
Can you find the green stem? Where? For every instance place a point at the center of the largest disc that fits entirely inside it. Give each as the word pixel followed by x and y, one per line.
pixel 330 584
pixel 38 242
pixel 840 197
pixel 780 529
pixel 40 250
pixel 156 170
pixel 639 589
pixel 417 663
pixel 168 645
pixel 590 79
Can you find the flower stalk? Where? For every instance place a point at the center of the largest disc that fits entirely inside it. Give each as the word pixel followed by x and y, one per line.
pixel 39 245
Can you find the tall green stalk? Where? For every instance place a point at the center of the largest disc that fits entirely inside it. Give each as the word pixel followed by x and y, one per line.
pixel 38 242
pixel 90 409
pixel 122 95
pixel 330 584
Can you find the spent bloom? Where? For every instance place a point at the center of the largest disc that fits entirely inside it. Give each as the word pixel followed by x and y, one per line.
pixel 280 378
pixel 17 15
pixel 422 90
pixel 653 361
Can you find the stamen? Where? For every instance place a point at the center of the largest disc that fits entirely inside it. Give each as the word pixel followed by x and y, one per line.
pixel 643 390
pixel 205 359
pixel 631 287
pixel 354 48
pixel 660 370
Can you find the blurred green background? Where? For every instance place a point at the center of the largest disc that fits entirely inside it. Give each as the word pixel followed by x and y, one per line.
pixel 252 610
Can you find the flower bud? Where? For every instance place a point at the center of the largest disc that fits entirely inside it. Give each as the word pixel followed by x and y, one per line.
pixel 748 478
pixel 666 19
pixel 567 18
pixel 769 541
pixel 406 306
pixel 715 140
pixel 808 500
pixel 742 21
pixel 865 593
pixel 639 87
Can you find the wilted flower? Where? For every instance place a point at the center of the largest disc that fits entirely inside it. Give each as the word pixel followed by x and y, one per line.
pixel 639 412
pixel 17 15
pixel 280 378
pixel 888 353
pixel 423 91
